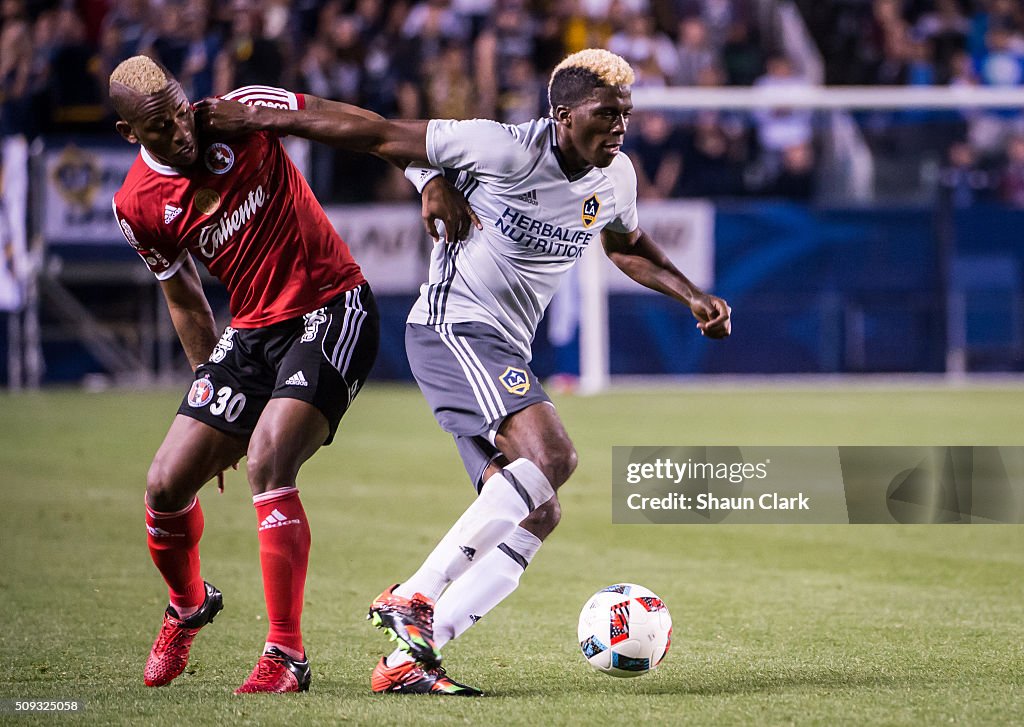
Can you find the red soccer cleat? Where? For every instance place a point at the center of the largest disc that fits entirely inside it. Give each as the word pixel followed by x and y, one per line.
pixel 410 621
pixel 411 678
pixel 169 654
pixel 277 673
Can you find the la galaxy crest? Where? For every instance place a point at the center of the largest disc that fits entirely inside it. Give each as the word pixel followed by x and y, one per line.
pixel 517 381
pixel 591 206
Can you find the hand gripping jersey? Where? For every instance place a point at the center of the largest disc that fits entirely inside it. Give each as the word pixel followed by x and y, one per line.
pixel 537 222
pixel 245 212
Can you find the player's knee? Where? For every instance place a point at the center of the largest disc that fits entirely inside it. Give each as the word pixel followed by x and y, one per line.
pixel 164 491
pixel 558 463
pixel 266 471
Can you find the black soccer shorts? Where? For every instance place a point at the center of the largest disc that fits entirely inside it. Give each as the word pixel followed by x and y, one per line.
pixel 322 357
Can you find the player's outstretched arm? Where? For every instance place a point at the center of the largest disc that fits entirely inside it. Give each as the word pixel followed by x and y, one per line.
pixel 329 122
pixel 190 313
pixel 639 257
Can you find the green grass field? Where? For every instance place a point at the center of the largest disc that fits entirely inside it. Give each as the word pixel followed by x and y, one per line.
pixel 839 624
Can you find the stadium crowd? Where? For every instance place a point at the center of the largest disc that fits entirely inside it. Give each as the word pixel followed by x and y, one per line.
pixel 489 58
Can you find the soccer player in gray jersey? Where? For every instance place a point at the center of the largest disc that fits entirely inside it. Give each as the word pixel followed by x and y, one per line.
pixel 544 191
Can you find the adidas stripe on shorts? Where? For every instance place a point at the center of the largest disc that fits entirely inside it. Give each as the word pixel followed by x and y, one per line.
pixel 322 357
pixel 473 378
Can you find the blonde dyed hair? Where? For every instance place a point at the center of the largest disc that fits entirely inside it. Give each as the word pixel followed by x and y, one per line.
pixel 141 74
pixel 611 69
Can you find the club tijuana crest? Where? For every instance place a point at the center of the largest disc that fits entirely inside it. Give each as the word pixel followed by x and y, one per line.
pixel 219 158
pixel 212 237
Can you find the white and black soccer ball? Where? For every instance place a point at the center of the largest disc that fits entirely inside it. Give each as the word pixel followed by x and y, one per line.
pixel 625 630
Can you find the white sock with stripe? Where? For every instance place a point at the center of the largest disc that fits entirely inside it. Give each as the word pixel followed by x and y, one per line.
pixel 477 592
pixel 506 498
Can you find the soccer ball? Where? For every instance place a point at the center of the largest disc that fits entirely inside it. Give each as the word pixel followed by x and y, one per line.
pixel 625 630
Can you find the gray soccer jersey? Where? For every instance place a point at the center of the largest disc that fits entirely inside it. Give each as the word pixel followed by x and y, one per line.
pixel 537 222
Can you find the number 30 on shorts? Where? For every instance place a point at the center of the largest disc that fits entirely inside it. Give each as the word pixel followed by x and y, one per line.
pixel 228 403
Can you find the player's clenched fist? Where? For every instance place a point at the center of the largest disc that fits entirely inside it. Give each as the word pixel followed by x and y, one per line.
pixel 222 117
pixel 713 316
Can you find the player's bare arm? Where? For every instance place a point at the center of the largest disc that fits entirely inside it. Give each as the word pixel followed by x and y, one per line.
pixel 639 257
pixel 354 128
pixel 190 313
pixel 329 122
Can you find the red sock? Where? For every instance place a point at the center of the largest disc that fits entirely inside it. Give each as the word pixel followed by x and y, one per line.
pixel 174 546
pixel 284 554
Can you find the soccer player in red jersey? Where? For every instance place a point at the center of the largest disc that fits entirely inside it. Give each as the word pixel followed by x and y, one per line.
pixel 274 386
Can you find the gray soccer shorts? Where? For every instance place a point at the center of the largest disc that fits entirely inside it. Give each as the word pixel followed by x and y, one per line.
pixel 473 378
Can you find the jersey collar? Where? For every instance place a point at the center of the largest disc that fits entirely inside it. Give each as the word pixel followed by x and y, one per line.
pixel 572 177
pixel 157 166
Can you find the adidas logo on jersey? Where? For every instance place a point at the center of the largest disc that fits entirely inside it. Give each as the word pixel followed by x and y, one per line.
pixel 530 197
pixel 296 379
pixel 170 213
pixel 277 520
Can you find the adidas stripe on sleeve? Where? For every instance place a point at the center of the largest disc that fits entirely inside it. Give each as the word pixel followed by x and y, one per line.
pixel 271 96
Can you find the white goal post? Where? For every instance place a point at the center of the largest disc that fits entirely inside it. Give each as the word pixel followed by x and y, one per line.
pixel 594 338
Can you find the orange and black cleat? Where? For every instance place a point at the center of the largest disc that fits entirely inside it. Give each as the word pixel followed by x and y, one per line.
pixel 411 678
pixel 410 621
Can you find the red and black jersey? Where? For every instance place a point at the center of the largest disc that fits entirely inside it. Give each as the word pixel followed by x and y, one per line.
pixel 245 212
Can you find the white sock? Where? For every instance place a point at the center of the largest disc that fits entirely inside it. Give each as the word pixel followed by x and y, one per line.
pixel 476 593
pixel 506 498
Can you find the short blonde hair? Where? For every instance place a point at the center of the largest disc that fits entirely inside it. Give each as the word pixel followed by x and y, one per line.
pixel 611 69
pixel 141 74
pixel 581 72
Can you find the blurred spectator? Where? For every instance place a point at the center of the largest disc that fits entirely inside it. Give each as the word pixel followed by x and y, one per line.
pixel 450 91
pixel 780 128
pixel 1011 180
pixel 507 37
pixel 333 66
pixel 795 180
pixel 919 69
pixel 961 70
pixel 1002 62
pixel 742 57
pixel 548 46
pixel 18 86
pixel 646 49
pixel 991 15
pixel 961 179
pixel 695 52
pixel 126 24
pixel 1001 65
pixel 389 72
pixel 181 42
pixel 655 148
pixel 525 96
pixel 77 98
pixel 248 57
pixel 474 12
pixel 713 159
pixel 436 18
pixel 945 28
pixel 582 28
